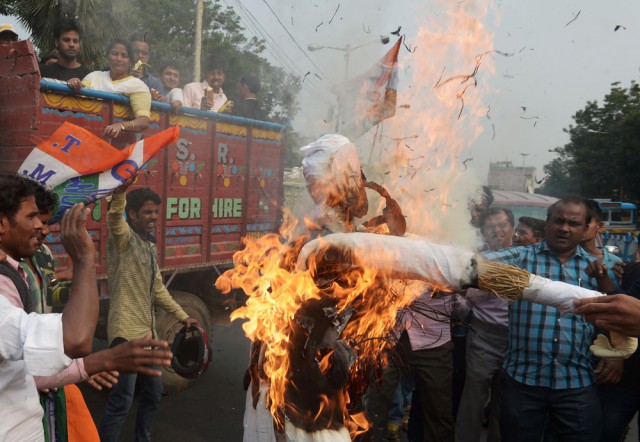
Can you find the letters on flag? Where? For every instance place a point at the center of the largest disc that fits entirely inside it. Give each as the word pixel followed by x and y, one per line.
pixel 81 167
pixel 367 99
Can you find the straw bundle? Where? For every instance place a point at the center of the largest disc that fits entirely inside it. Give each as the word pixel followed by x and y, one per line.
pixel 503 280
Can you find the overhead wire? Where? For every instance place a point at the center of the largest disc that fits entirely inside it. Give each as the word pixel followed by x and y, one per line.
pixel 294 40
pixel 255 27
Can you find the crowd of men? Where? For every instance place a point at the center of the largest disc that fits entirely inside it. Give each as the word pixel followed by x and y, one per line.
pixel 164 85
pixel 529 373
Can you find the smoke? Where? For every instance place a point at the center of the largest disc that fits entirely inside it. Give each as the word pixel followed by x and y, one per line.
pixel 418 155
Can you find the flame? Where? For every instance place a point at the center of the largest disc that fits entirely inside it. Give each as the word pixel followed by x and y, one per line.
pixel 443 119
pixel 420 153
pixel 277 293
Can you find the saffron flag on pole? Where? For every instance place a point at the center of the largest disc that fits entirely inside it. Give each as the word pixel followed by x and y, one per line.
pixel 369 98
pixel 81 167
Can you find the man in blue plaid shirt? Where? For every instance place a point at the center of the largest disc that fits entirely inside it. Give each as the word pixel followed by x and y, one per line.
pixel 548 372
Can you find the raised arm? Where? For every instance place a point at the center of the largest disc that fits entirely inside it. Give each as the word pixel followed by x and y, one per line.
pixel 135 356
pixel 117 225
pixel 81 313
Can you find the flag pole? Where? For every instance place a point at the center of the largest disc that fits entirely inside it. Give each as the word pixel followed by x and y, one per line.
pixel 197 43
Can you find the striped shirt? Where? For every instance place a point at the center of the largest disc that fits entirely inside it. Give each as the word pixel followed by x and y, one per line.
pixel 548 348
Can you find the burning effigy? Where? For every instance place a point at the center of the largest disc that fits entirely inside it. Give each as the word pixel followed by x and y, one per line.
pixel 452 269
pixel 316 333
pixel 320 309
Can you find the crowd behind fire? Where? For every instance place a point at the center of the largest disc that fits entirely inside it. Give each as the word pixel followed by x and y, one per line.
pixel 523 370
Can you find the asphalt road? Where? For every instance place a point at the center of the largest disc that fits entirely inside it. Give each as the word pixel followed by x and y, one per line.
pixel 211 410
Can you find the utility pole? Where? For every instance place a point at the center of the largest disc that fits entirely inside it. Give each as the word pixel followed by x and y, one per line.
pixel 197 43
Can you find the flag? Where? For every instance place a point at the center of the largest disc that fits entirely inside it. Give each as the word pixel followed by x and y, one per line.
pixel 367 99
pixel 81 167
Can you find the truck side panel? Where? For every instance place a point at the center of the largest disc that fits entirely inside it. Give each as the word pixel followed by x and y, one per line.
pixel 221 180
pixel 187 180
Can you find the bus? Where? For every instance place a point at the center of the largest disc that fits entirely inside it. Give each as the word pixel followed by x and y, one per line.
pixel 619 217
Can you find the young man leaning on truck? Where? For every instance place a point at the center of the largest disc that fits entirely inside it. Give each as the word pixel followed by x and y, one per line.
pixel 135 287
pixel 66 38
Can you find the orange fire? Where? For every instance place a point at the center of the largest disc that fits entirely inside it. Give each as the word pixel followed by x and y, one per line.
pixel 419 154
pixel 420 168
pixel 277 293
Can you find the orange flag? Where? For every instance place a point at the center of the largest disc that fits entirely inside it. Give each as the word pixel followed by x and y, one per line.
pixel 369 98
pixel 81 167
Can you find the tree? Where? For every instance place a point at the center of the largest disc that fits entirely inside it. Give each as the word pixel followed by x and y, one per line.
pixel 168 24
pixel 601 160
pixel 101 21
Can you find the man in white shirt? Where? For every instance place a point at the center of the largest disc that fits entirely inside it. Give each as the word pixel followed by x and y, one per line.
pixel 208 94
pixel 170 77
pixel 33 345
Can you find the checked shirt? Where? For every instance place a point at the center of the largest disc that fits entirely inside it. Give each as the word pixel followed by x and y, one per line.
pixel 548 348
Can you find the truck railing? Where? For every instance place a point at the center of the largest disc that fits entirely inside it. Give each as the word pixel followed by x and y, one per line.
pixel 49 84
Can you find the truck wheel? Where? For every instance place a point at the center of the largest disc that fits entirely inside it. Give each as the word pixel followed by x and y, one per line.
pixel 168 326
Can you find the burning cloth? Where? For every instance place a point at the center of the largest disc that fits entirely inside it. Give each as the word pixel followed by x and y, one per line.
pixel 315 335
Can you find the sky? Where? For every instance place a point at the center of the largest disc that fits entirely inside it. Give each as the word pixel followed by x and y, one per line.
pixel 563 54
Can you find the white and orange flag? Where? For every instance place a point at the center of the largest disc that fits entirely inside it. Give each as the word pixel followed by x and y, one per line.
pixel 81 167
pixel 369 98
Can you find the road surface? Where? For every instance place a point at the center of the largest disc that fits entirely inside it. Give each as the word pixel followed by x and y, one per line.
pixel 211 410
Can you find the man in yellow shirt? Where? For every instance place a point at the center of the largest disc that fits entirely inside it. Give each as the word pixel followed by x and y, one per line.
pixel 135 287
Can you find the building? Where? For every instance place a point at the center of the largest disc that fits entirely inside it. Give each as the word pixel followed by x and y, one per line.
pixel 503 175
pixel 523 203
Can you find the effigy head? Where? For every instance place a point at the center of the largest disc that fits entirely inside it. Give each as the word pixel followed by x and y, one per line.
pixel 335 181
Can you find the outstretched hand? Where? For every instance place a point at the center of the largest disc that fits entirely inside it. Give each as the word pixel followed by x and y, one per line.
pixel 75 84
pixel 599 271
pixel 122 188
pixel 609 371
pixel 619 313
pixel 189 322
pixel 104 379
pixel 139 356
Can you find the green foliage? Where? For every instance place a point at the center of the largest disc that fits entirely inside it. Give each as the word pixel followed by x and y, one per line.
pixel 169 28
pixel 101 21
pixel 602 159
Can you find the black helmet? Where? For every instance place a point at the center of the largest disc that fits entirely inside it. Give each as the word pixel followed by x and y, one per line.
pixel 191 352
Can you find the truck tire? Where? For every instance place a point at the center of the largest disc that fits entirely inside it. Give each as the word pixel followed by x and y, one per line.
pixel 168 326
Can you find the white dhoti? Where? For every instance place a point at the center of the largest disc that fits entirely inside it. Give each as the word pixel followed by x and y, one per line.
pixel 258 422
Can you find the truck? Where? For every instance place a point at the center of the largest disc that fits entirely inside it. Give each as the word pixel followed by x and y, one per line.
pixel 221 181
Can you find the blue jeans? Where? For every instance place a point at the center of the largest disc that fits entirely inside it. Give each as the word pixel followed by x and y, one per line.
pixel 401 398
pixel 574 413
pixel 619 404
pixel 119 402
